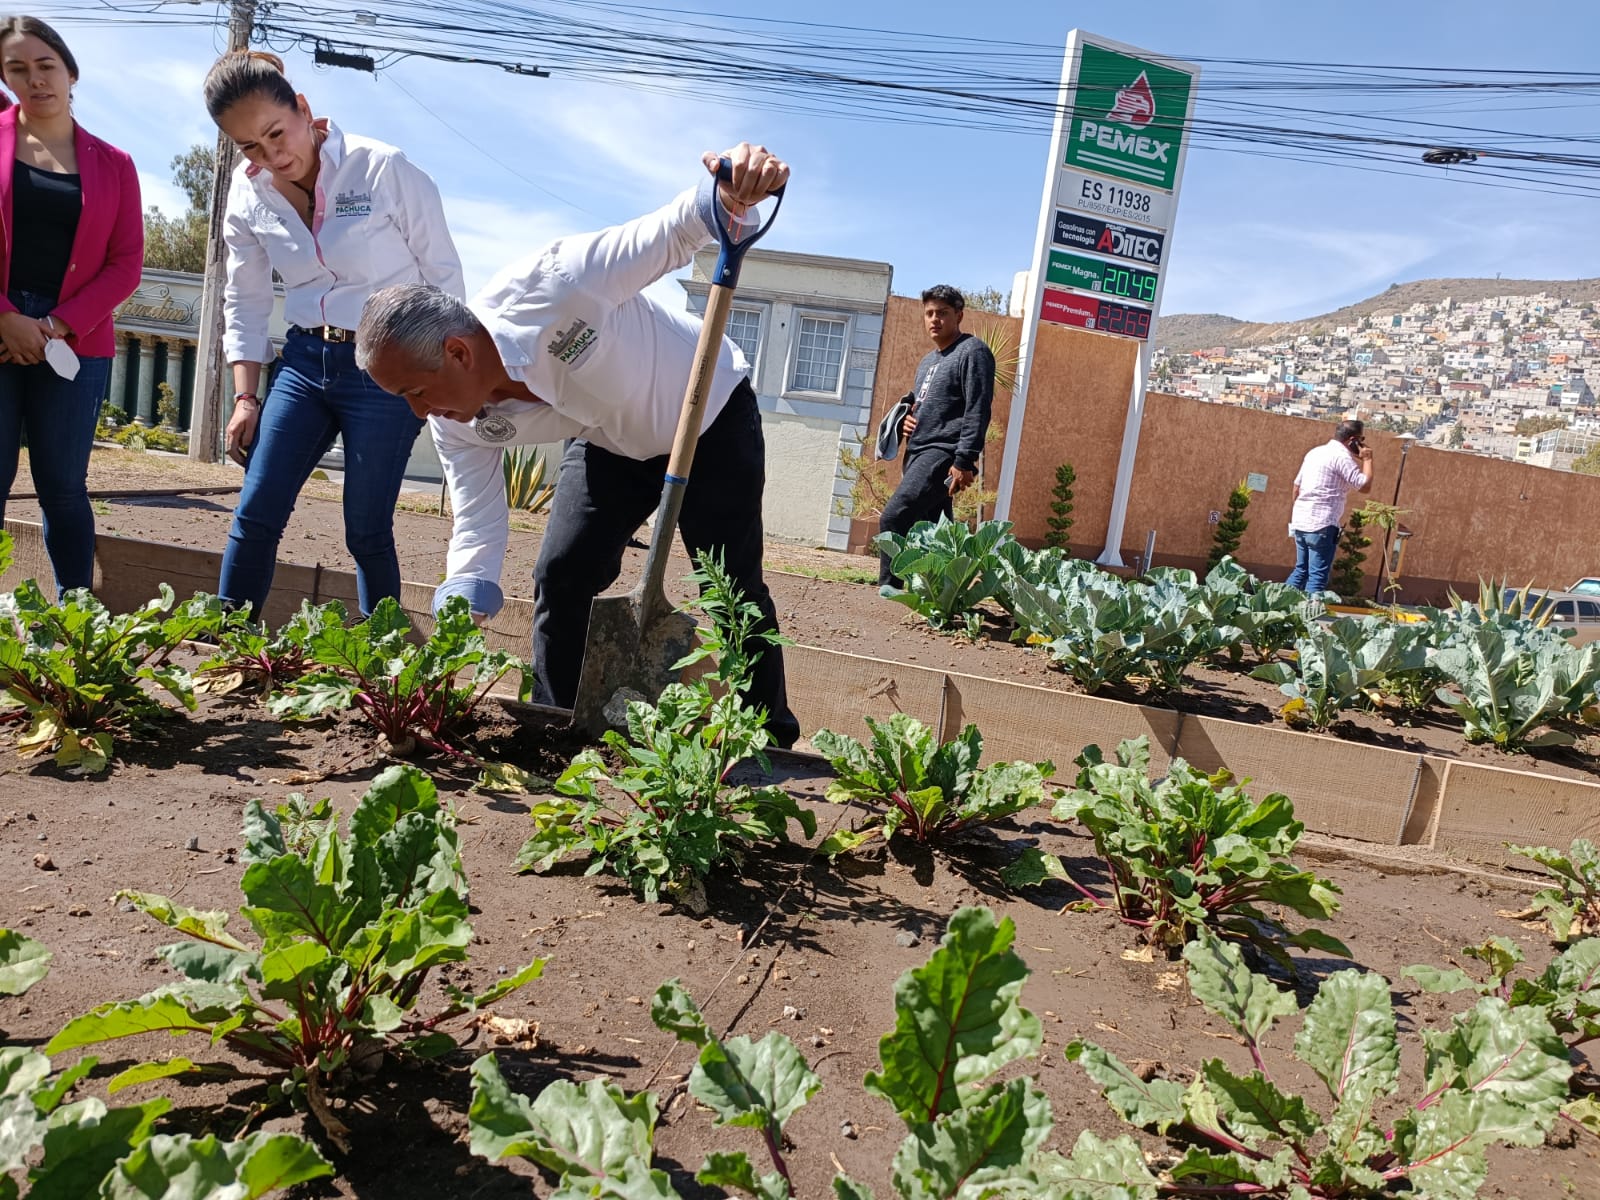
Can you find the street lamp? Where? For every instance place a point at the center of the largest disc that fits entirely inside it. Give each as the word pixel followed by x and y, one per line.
pixel 1405 440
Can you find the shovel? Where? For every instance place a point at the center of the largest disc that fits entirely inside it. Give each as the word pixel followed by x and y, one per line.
pixel 636 640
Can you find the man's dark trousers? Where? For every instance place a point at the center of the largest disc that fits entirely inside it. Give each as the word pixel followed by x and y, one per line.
pixel 922 495
pixel 601 498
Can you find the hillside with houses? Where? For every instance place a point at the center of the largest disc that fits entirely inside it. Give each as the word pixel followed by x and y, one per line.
pixel 1510 374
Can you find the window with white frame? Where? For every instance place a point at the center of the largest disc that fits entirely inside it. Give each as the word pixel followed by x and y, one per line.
pixel 819 354
pixel 744 331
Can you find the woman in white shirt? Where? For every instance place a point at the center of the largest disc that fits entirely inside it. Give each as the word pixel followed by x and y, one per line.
pixel 337 216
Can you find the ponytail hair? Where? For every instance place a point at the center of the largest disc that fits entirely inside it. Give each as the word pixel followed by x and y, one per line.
pixel 240 74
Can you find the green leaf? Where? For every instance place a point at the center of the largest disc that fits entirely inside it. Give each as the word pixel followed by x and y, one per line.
pixel 1348 1039
pixel 975 1151
pixel 207 925
pixel 397 792
pixel 1033 868
pixel 843 841
pixel 957 1019
pixel 757 1084
pixel 84 1141
pixel 499 989
pixel 21 1118
pixel 1150 1104
pixel 50 1095
pixel 1584 1111
pixel 734 1170
pixel 263 834
pixel 1097 1170
pixel 845 1188
pixel 1509 1055
pixel 1250 1003
pixel 181 1167
pixel 674 1011
pixel 588 1130
pixel 1440 979
pixel 1255 1110
pixel 161 1011
pixel 145 1072
pixel 208 963
pixel 23 963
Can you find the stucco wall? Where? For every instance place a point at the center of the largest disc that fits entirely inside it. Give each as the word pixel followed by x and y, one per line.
pixel 799 496
pixel 1470 516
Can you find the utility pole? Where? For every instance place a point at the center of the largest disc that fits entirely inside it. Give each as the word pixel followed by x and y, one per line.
pixel 215 383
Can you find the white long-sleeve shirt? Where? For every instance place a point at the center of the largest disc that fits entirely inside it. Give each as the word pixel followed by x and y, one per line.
pixel 376 221
pixel 609 364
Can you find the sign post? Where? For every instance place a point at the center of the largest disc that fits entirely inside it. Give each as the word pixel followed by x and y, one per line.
pixel 1105 225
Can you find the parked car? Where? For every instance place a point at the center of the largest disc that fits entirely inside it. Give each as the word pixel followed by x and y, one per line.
pixel 1576 614
pixel 1587 586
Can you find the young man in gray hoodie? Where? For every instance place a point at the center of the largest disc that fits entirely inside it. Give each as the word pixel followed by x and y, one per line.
pixel 944 432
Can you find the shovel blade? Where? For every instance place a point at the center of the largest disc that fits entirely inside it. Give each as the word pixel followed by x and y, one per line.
pixel 627 649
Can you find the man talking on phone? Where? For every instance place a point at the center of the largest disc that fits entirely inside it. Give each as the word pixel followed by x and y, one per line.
pixel 944 432
pixel 1328 474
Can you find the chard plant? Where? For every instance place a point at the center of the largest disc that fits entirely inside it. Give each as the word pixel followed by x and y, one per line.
pixel 947 569
pixel 411 694
pixel 1496 1076
pixel 915 785
pixel 87 1148
pixel 1188 852
pixel 1568 990
pixel 249 656
pixel 667 815
pixel 1507 687
pixel 82 676
pixel 349 928
pixel 1572 906
pixel 958 1023
pixel 1340 664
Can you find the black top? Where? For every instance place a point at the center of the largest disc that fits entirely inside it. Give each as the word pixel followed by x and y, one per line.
pixel 45 207
pixel 954 389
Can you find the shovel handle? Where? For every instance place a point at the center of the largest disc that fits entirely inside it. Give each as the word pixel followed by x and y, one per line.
pixel 652 597
pixel 732 249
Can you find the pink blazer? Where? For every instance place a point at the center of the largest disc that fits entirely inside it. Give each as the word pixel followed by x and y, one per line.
pixel 108 251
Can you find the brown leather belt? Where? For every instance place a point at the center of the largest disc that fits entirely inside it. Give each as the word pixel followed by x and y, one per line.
pixel 328 333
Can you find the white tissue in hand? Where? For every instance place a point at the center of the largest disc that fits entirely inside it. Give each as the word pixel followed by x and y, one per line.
pixel 61 358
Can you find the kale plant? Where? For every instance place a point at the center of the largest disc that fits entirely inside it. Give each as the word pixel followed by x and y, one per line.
pixel 947 569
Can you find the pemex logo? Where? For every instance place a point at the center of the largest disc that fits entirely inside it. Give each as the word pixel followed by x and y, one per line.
pixel 1135 104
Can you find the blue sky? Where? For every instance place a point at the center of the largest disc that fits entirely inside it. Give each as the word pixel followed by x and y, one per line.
pixel 521 160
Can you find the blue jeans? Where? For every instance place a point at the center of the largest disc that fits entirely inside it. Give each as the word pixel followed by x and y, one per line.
pixel 58 416
pixel 1313 559
pixel 319 392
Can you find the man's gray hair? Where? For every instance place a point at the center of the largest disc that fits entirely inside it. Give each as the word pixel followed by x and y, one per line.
pixel 415 318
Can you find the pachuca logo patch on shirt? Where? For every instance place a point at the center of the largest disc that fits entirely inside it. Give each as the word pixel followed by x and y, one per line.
pixel 493 427
pixel 352 204
pixel 574 343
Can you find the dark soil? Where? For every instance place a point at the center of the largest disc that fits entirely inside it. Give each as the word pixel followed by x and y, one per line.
pixel 783 930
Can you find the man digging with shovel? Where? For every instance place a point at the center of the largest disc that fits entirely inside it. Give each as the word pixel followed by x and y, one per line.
pixel 562 344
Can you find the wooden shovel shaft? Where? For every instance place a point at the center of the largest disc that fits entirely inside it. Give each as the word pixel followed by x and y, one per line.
pixel 652 597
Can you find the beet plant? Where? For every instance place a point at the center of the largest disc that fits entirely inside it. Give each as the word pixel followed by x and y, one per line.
pixel 251 656
pixel 349 929
pixel 82 675
pixel 409 693
pixel 916 785
pixel 1496 1076
pixel 659 811
pixel 1572 906
pixel 968 1136
pixel 1188 852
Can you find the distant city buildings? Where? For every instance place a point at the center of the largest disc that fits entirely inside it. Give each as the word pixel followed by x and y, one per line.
pixel 1512 377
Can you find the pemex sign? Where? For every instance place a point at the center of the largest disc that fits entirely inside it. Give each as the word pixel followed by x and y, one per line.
pixel 1128 117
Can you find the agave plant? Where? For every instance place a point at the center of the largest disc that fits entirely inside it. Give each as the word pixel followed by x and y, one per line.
pixel 526 490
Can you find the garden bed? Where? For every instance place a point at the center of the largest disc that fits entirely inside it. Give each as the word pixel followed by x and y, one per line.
pixel 815 608
pixel 785 930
